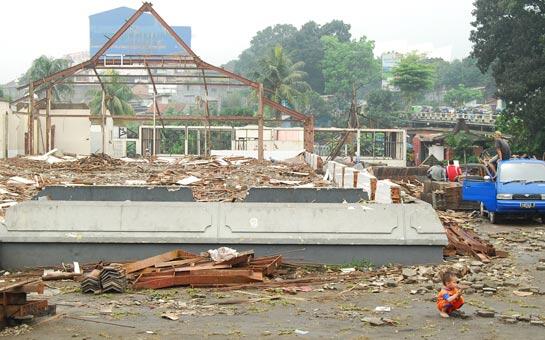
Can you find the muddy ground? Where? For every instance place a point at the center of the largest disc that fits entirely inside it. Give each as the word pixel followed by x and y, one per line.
pixel 337 310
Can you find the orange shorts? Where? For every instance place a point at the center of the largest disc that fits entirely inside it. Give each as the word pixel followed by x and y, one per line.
pixel 450 306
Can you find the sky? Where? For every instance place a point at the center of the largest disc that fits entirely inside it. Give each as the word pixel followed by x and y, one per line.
pixel 222 29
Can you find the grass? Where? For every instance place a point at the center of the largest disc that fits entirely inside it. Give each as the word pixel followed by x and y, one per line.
pixel 361 265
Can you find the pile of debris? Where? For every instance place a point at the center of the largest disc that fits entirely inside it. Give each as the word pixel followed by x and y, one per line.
pixel 217 268
pixel 466 242
pixel 212 179
pixel 228 179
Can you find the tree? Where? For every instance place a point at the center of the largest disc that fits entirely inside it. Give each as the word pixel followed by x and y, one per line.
pixel 283 77
pixel 337 29
pixel 45 66
pixel 260 44
pixel 383 108
pixel 116 99
pixel 462 143
pixel 300 45
pixel 348 67
pixel 461 94
pixel 465 72
pixel 413 76
pixel 306 45
pixel 509 39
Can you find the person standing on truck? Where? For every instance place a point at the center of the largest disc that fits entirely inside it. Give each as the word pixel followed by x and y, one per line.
pixel 503 151
pixel 453 171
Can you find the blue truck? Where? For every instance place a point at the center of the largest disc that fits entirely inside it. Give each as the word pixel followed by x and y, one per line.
pixel 517 190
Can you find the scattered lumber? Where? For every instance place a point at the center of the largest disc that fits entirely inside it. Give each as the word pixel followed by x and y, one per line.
pixel 181 268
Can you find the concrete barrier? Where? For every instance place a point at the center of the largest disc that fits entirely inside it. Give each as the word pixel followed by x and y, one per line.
pixel 352 230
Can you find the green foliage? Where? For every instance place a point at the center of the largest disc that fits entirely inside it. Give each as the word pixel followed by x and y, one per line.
pixel 284 78
pixel 303 45
pixel 509 39
pixel 45 66
pixel 384 108
pixel 461 94
pixel 462 144
pixel 413 76
pixel 467 73
pixel 116 99
pixel 348 66
pixel 261 43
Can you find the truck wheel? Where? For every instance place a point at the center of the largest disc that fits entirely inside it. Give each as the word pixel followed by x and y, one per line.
pixel 542 219
pixel 492 217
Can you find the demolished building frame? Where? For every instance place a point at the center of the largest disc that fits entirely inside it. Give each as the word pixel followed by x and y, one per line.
pixel 208 75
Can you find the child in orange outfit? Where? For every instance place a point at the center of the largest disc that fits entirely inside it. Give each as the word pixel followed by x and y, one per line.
pixel 450 297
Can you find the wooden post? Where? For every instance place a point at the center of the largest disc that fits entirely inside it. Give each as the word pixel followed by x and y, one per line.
pixel 358 147
pixel 6 135
pixel 103 122
pixel 154 133
pixel 260 150
pixel 186 141
pixel 48 121
pixel 30 136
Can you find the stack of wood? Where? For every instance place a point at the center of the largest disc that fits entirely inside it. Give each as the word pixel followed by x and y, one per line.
pixel 450 197
pixel 182 268
pixel 14 304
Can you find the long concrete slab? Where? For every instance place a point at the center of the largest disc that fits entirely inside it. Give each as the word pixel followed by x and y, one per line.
pixel 116 193
pixel 306 195
pixel 184 194
pixel 353 230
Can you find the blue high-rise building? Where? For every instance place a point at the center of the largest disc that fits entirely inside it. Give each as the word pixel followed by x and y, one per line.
pixel 145 37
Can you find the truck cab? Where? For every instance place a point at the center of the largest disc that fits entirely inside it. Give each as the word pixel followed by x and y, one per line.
pixel 518 189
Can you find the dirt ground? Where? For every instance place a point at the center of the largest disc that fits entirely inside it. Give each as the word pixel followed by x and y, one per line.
pixel 333 310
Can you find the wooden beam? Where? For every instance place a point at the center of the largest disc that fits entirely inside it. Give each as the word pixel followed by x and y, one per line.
pixel 48 121
pixel 260 146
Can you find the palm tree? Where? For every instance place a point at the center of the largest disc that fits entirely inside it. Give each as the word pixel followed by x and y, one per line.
pixel 117 97
pixel 45 66
pixel 283 77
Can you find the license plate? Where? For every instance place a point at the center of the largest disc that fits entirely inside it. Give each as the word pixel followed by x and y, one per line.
pixel 527 205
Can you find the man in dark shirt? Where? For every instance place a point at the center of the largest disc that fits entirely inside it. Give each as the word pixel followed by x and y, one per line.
pixel 503 150
pixel 502 147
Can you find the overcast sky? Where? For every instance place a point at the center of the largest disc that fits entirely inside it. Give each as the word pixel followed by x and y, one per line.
pixel 222 29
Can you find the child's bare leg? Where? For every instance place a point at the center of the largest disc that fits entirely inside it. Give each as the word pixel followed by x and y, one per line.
pixel 444 313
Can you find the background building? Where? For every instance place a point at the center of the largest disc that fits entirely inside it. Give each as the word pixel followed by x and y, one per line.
pixel 145 36
pixel 389 61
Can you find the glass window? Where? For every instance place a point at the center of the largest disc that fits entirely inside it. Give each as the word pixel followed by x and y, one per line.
pixel 527 172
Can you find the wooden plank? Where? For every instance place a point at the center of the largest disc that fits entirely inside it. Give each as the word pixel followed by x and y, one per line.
pixel 180 263
pixel 18 284
pixel 152 261
pixel 212 278
pixel 202 267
